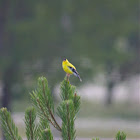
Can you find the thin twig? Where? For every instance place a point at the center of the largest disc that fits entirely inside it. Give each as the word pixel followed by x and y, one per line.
pixel 46 115
pixel 54 119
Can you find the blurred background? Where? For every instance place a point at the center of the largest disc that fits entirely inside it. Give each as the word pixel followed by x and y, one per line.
pixel 101 38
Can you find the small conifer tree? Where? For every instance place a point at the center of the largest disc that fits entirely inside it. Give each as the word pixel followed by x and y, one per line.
pixel 43 107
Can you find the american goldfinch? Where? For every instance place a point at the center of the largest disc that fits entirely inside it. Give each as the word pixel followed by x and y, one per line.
pixel 70 69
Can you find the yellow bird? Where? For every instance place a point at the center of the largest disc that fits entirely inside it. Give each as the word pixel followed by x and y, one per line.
pixel 70 69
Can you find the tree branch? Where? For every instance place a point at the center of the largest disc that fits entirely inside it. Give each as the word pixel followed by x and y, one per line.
pixel 8 125
pixel 47 115
pixel 31 126
pixel 68 122
pixel 52 116
pixel 54 120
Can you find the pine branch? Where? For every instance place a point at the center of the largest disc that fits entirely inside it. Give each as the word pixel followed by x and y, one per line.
pixel 67 90
pixel 43 126
pixel 76 101
pixel 42 100
pixel 47 135
pixel 56 124
pixel 31 128
pixel 65 112
pixel 46 115
pixel 44 89
pixel 68 122
pixel 8 126
pixel 68 109
pixel 49 109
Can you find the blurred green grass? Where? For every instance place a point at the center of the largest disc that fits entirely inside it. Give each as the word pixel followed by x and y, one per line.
pixel 89 133
pixel 126 111
pixel 116 110
pixel 93 110
pixel 104 133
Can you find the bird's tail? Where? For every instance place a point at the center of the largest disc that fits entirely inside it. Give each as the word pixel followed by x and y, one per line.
pixel 79 78
pixel 77 75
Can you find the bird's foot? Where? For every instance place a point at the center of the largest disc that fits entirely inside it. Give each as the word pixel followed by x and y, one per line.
pixel 68 76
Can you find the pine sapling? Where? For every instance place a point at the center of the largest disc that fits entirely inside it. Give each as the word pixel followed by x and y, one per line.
pixel 44 109
pixel 8 126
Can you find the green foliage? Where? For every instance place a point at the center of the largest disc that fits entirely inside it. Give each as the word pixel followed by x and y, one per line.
pixel 67 109
pixel 95 138
pixel 31 128
pixel 43 102
pixel 8 126
pixel 120 136
pixel 76 102
pixel 44 108
pixel 47 135
pixel 67 114
pixel 43 95
pixel 68 92
pixel 70 105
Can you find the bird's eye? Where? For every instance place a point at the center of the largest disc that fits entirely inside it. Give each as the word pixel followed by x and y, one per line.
pixel 64 59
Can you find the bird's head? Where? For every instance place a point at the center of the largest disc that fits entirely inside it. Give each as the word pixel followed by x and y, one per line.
pixel 65 60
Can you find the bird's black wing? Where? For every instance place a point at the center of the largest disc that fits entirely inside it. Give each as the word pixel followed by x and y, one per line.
pixel 75 72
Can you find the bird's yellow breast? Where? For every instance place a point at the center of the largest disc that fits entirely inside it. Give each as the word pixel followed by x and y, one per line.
pixel 65 67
